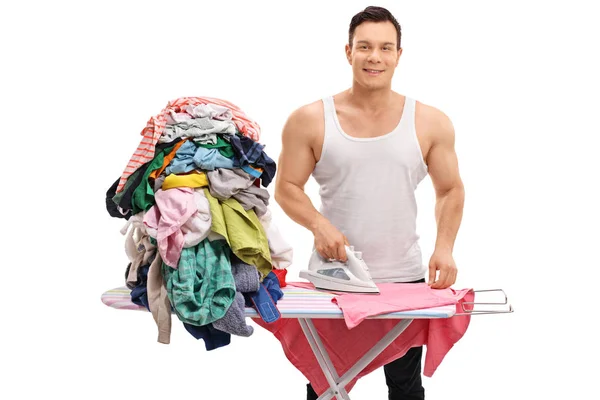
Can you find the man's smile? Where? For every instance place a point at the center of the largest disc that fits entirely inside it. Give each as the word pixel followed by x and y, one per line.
pixel 373 72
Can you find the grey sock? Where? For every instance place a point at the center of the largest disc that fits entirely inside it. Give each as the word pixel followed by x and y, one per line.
pixel 234 320
pixel 245 276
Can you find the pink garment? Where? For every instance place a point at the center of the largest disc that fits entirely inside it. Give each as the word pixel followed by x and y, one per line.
pixel 394 297
pixel 172 210
pixel 346 346
pixel 156 126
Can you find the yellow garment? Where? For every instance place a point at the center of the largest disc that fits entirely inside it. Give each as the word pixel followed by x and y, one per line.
pixel 193 180
pixel 243 231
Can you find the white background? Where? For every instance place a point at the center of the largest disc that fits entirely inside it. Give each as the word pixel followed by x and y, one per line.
pixel 519 80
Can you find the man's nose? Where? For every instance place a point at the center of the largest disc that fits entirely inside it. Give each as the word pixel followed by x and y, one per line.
pixel 374 56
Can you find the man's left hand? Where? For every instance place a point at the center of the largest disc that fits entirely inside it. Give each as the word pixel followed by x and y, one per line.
pixel 442 261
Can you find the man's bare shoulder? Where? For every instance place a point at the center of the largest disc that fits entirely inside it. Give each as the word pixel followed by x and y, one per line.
pixel 311 113
pixel 307 121
pixel 435 124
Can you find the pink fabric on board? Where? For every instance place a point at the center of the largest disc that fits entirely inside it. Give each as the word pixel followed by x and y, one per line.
pixel 346 346
pixel 394 297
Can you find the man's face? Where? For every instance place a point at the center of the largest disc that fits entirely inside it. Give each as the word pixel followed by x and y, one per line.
pixel 373 55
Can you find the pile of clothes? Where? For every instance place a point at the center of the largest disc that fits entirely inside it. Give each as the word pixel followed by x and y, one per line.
pixel 199 234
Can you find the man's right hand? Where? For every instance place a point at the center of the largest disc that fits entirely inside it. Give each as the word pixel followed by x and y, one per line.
pixel 329 241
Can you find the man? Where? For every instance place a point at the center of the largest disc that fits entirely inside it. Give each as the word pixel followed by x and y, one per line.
pixel 368 147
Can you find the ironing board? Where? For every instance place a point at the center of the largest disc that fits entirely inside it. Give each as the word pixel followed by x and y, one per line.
pixel 308 304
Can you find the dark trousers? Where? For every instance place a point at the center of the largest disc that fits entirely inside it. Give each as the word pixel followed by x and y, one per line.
pixel 402 376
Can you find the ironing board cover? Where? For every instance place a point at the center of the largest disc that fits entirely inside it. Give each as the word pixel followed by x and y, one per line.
pixel 297 302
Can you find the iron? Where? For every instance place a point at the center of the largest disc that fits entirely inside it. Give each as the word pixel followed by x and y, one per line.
pixel 350 276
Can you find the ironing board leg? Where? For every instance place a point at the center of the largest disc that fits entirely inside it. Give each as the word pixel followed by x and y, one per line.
pixel 324 361
pixel 337 384
pixel 370 355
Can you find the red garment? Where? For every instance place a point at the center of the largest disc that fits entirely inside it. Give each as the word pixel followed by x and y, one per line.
pixel 156 126
pixel 280 274
pixel 346 346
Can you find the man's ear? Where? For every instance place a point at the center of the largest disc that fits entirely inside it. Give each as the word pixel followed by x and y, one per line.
pixel 349 54
pixel 399 54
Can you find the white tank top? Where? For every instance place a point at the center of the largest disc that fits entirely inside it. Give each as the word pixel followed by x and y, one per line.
pixel 367 189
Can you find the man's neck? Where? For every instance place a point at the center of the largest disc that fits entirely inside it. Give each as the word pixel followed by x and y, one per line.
pixel 370 100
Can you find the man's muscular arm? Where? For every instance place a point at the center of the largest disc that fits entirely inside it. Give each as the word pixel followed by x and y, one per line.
pixel 450 194
pixel 296 163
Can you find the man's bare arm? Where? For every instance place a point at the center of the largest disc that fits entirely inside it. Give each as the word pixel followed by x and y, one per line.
pixel 450 193
pixel 296 163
